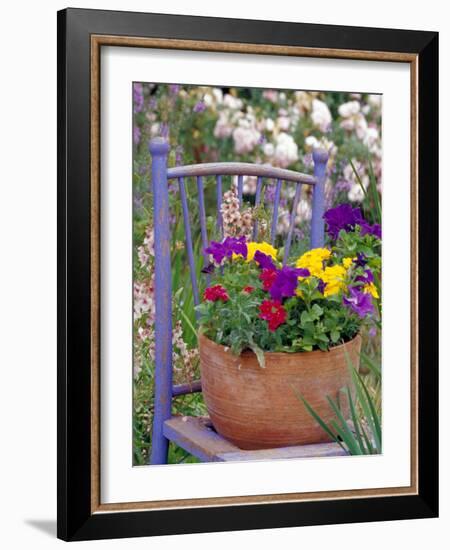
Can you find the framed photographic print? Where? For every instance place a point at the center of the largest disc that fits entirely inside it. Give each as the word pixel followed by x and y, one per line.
pixel 247 252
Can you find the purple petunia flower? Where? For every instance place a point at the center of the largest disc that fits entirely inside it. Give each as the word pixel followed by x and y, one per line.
pixel 263 260
pixel 342 217
pixel 321 286
pixel 359 302
pixel 345 217
pixel 361 259
pixel 367 229
pixel 367 278
pixel 225 249
pixel 286 282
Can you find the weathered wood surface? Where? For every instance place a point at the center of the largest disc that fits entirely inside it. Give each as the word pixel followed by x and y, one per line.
pixel 238 169
pixel 183 389
pixel 197 436
pixel 319 450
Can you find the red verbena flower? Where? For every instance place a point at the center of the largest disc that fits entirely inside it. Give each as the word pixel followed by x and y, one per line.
pixel 248 289
pixel 267 276
pixel 216 292
pixel 273 312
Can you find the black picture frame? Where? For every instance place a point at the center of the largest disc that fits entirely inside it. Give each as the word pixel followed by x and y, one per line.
pixel 76 521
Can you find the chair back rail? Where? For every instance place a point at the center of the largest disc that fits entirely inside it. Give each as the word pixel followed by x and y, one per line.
pixel 159 150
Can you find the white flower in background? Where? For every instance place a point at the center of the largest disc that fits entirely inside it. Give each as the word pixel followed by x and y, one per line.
pixel 361 126
pixel 245 138
pixel 320 115
pixel 143 302
pixel 269 149
pixel 304 101
pixel 312 142
pixel 232 102
pixel 270 124
pixel 355 193
pixel 371 139
pixel 303 211
pixel 154 129
pixel 249 185
pixel 235 222
pixel 374 100
pixel 283 123
pixel 208 100
pixel 271 95
pixel 218 95
pixel 286 150
pixel 223 127
pixel 349 109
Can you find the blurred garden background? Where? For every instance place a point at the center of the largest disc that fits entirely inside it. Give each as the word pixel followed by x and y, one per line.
pixel 216 124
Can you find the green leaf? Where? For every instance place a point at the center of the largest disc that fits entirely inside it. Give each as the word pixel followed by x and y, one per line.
pixel 334 336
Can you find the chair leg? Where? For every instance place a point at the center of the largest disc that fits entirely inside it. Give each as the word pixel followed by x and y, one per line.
pixel 160 444
pixel 163 301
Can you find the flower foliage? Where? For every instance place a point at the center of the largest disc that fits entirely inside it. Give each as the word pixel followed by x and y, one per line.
pixel 316 301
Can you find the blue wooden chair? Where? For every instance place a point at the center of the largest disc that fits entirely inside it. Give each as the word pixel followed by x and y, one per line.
pixel 196 434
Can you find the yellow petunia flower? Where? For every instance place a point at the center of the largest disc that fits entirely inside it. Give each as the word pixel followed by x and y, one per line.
pixel 334 277
pixel 313 260
pixel 263 247
pixel 370 288
pixel 347 262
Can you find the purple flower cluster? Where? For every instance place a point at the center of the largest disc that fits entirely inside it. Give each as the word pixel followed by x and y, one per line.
pixel 345 217
pixel 136 134
pixel 263 260
pixel 138 97
pixel 174 89
pixel 199 107
pixel 359 302
pixel 286 281
pixel 225 249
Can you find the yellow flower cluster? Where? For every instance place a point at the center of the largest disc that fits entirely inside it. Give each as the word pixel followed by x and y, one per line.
pixel 333 276
pixel 313 260
pixel 263 247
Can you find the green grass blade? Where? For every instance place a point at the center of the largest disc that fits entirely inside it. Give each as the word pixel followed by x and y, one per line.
pixel 358 179
pixel 355 420
pixel 372 366
pixel 344 430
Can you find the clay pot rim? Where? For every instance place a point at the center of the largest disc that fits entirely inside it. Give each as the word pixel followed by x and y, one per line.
pixel 275 354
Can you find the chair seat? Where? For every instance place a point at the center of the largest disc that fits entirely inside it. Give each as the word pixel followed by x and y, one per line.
pixel 196 435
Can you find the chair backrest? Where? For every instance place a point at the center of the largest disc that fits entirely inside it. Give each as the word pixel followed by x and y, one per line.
pixel 161 174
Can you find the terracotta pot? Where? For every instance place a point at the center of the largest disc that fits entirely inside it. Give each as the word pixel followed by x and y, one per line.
pixel 257 408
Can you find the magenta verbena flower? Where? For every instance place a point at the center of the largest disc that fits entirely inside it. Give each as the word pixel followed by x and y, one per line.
pixel 359 302
pixel 286 281
pixel 226 248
